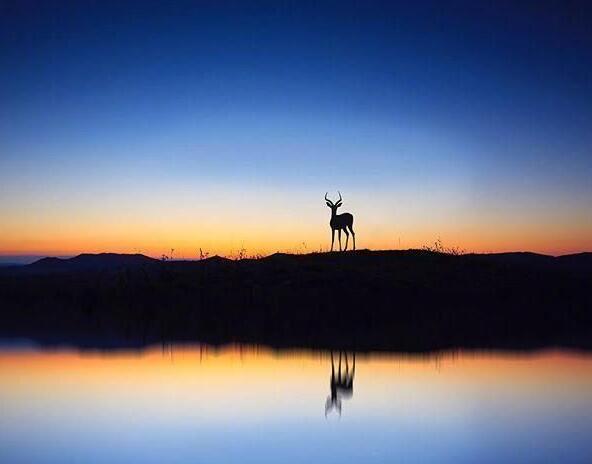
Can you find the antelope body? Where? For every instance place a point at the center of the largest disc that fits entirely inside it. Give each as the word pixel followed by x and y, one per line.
pixel 340 222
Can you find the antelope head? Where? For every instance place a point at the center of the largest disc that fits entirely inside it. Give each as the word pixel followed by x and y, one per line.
pixel 332 205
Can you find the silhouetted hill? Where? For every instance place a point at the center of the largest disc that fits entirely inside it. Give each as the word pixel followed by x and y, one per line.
pixel 366 300
pixel 522 259
pixel 87 261
pixel 216 259
pixel 103 261
pixel 579 261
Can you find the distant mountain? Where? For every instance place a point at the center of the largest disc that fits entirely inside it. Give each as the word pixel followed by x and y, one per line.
pixel 574 262
pixel 520 259
pixel 18 260
pixel 89 261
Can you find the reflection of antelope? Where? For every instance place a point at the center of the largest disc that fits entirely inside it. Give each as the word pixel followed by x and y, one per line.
pixel 342 384
pixel 340 222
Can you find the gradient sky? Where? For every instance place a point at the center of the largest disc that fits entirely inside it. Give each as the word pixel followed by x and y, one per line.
pixel 141 126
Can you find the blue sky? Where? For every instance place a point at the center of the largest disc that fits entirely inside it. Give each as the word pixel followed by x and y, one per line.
pixel 437 119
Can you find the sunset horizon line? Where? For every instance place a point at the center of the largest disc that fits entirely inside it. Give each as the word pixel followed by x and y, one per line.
pixel 247 254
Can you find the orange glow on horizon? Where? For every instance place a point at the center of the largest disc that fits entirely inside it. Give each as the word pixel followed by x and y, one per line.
pixel 267 226
pixel 189 248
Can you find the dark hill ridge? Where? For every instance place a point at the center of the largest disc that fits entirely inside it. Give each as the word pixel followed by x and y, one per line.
pixel 367 300
pixel 579 261
pixel 89 261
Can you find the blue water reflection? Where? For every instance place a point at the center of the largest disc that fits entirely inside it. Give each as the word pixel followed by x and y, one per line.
pixel 190 404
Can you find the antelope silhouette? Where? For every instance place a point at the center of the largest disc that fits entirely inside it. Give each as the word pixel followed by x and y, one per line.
pixel 340 222
pixel 342 384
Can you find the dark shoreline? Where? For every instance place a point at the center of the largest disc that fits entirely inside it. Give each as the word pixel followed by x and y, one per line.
pixel 19 345
pixel 384 301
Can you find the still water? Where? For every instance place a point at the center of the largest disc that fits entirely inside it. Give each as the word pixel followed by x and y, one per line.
pixel 195 404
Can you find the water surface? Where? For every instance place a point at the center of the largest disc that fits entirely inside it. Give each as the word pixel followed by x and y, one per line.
pixel 195 404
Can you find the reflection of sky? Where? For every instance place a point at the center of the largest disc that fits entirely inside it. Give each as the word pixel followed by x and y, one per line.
pixel 233 407
pixel 181 125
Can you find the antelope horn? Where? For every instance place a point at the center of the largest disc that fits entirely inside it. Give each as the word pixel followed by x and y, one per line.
pixel 340 199
pixel 327 198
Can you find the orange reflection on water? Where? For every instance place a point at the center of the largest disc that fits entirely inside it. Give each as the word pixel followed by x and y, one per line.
pixel 259 381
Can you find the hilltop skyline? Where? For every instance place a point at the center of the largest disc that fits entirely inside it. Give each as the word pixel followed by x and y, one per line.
pixel 145 127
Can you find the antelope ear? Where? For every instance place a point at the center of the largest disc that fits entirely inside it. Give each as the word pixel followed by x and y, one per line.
pixel 338 204
pixel 328 204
